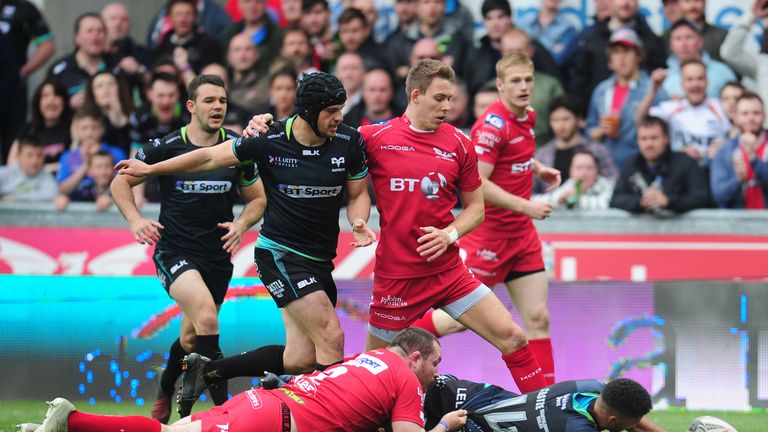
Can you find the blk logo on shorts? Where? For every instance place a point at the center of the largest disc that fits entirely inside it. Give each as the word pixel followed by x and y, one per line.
pixel 178 265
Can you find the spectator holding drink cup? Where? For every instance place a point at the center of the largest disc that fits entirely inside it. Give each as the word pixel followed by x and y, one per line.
pixel 610 119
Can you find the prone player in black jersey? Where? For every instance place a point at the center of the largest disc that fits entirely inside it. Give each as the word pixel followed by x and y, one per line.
pixel 305 162
pixel 195 234
pixel 568 406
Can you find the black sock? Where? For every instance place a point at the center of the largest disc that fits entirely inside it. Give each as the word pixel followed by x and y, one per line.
pixel 172 370
pixel 248 364
pixel 208 346
pixel 322 367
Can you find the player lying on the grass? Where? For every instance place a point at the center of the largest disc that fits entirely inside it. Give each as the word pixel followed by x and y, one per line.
pixel 378 387
pixel 568 406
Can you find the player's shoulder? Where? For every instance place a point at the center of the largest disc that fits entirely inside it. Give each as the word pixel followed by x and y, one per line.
pixel 174 137
pixel 380 128
pixel 347 133
pixel 228 134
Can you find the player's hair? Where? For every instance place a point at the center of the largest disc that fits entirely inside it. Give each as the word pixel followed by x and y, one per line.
pixel 200 80
pixel 306 5
pixel 692 61
pixel 568 103
pixel 627 397
pixel 415 339
pixel 88 111
pixel 351 14
pixel 85 15
pixel 421 75
pixel 171 3
pixel 649 121
pixel 749 95
pixel 512 59
pixel 492 5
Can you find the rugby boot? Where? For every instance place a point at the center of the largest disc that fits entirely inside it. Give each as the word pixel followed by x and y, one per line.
pixel 192 382
pixel 56 418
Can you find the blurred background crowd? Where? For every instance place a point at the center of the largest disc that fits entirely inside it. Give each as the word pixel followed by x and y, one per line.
pixel 648 121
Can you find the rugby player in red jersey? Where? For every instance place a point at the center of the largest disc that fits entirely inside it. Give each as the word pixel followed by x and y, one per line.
pixel 506 247
pixel 417 162
pixel 384 386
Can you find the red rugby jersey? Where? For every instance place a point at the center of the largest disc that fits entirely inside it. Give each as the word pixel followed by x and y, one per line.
pixel 361 394
pixel 415 176
pixel 507 142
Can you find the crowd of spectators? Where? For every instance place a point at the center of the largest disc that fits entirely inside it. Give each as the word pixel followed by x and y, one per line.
pixel 645 122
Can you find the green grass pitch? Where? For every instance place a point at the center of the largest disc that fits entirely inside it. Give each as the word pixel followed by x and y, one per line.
pixel 14 412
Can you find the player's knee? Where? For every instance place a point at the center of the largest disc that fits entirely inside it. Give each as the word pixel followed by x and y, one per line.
pixel 333 338
pixel 188 342
pixel 207 323
pixel 538 319
pixel 299 365
pixel 511 338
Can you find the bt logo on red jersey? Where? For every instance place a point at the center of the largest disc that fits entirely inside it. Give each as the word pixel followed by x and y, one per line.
pixel 430 184
pixel 522 167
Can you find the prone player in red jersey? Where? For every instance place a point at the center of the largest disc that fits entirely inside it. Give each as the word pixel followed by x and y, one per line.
pixel 376 388
pixel 417 162
pixel 506 247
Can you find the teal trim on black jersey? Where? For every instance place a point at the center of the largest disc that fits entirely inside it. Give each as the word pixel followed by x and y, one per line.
pixel 43 38
pixel 265 243
pixel 360 175
pixel 581 402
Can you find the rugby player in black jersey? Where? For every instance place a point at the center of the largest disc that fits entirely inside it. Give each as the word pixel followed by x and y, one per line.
pixel 568 406
pixel 195 234
pixel 305 162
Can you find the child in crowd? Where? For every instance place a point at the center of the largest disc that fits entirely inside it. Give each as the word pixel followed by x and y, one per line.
pixel 87 131
pixel 26 180
pixel 95 186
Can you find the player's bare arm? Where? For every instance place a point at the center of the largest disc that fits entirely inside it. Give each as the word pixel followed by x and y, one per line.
pixel 202 160
pixel 498 197
pixel 548 175
pixel 646 425
pixel 452 421
pixel 358 212
pixel 435 241
pixel 255 202
pixel 145 231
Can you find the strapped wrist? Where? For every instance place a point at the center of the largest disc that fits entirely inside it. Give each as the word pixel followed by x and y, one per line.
pixel 453 234
pixel 445 425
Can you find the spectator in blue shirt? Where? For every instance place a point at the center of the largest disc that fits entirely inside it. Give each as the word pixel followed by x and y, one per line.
pixel 686 43
pixel 739 172
pixel 551 29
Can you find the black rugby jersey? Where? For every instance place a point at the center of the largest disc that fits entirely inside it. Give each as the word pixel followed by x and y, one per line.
pixel 304 186
pixel 191 205
pixel 565 406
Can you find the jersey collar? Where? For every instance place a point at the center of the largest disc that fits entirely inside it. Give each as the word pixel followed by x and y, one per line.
pixel 222 135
